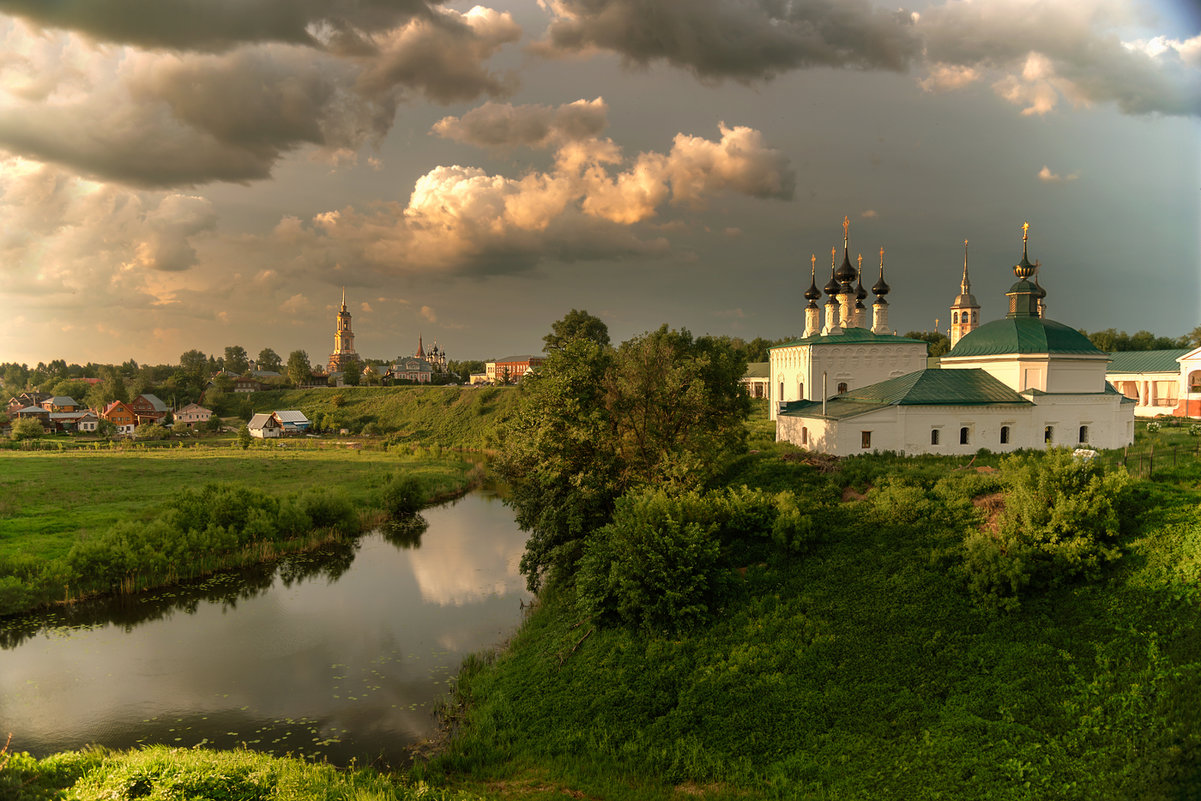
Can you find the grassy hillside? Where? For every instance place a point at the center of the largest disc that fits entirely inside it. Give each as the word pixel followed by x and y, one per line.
pixel 862 668
pixel 453 417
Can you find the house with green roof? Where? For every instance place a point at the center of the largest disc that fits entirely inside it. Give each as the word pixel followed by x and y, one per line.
pixel 1019 382
pixel 1159 381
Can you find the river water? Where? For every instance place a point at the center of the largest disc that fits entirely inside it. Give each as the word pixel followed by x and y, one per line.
pixel 339 655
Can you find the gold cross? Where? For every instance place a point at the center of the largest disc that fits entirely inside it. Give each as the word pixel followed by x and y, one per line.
pixel 881 257
pixel 812 262
pixel 1025 230
pixel 846 224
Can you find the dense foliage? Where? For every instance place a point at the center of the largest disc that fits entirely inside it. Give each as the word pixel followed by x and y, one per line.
pixel 596 421
pixel 1060 519
pixel 860 663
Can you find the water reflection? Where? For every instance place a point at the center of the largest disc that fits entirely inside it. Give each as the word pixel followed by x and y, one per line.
pixel 337 655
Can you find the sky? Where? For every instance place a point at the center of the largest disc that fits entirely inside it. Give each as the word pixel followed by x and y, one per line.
pixel 194 174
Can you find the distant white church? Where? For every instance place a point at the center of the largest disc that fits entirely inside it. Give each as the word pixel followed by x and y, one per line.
pixel 1020 382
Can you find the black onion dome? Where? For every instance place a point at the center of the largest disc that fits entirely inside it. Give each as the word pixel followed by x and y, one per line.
pixel 880 288
pixel 845 273
pixel 831 287
pixel 812 293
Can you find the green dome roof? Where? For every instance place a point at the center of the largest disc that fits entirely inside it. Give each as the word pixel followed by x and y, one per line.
pixel 1023 335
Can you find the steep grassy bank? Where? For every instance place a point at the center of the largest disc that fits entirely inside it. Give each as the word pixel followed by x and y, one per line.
pixel 862 668
pixel 452 417
pixel 52 505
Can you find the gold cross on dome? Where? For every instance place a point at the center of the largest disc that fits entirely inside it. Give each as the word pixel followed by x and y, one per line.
pixel 1025 230
pixel 881 257
pixel 846 224
pixel 812 261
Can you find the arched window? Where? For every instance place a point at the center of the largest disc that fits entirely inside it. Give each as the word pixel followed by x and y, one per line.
pixel 975 316
pixel 1083 435
pixel 1004 435
pixel 934 436
pixel 804 435
pixel 954 317
pixel 781 390
pixel 800 390
pixel 842 387
pixel 964 436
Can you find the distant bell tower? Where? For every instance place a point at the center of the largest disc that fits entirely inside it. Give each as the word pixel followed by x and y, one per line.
pixel 343 340
pixel 965 311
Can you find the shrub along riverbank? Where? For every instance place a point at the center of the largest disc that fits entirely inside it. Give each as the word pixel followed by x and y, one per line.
pixel 81 523
pixel 939 633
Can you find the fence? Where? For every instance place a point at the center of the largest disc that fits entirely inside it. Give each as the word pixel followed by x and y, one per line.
pixel 1144 460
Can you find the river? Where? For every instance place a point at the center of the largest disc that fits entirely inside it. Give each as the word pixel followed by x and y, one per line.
pixel 339 655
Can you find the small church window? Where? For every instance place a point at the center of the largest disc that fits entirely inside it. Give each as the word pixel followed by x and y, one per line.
pixel 781 390
pixel 800 390
pixel 975 316
pixel 955 318
pixel 1049 434
pixel 934 436
pixel 964 436
pixel 865 439
pixel 1083 435
pixel 804 435
pixel 842 387
pixel 1004 435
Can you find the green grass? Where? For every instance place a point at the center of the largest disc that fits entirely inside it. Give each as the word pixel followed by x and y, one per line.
pixel 51 501
pixel 159 773
pixel 862 669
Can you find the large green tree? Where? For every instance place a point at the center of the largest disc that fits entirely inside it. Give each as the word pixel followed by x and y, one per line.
pixel 937 343
pixel 299 369
pixel 576 324
pixel 236 359
pixel 269 360
pixel 595 421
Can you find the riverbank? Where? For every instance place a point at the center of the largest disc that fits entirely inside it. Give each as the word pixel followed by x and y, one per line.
pixel 54 504
pixel 861 667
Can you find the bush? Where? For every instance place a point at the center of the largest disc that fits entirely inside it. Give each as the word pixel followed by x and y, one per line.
pixel 655 566
pixel 403 496
pixel 26 428
pixel 151 431
pixel 330 509
pixel 1061 520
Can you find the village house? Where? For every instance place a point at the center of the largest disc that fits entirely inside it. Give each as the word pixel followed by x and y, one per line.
pixel 148 408
pixel 121 416
pixel 193 414
pixel 264 426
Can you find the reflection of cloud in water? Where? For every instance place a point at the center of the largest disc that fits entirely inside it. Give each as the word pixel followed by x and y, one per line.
pixel 456 566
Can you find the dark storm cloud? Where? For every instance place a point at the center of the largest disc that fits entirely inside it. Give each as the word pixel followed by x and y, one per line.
pixel 1078 56
pixel 210 25
pixel 741 39
pixel 176 119
pixel 502 125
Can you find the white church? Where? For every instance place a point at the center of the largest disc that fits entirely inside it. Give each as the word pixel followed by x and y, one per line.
pixel 1019 382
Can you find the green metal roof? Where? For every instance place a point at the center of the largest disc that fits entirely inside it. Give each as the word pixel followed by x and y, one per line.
pixel 1145 361
pixel 758 370
pixel 850 336
pixel 973 387
pixel 1024 335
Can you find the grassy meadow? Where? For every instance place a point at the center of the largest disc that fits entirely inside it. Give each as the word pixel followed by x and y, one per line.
pixel 52 503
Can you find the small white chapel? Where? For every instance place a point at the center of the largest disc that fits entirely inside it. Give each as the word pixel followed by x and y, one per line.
pixel 1022 381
